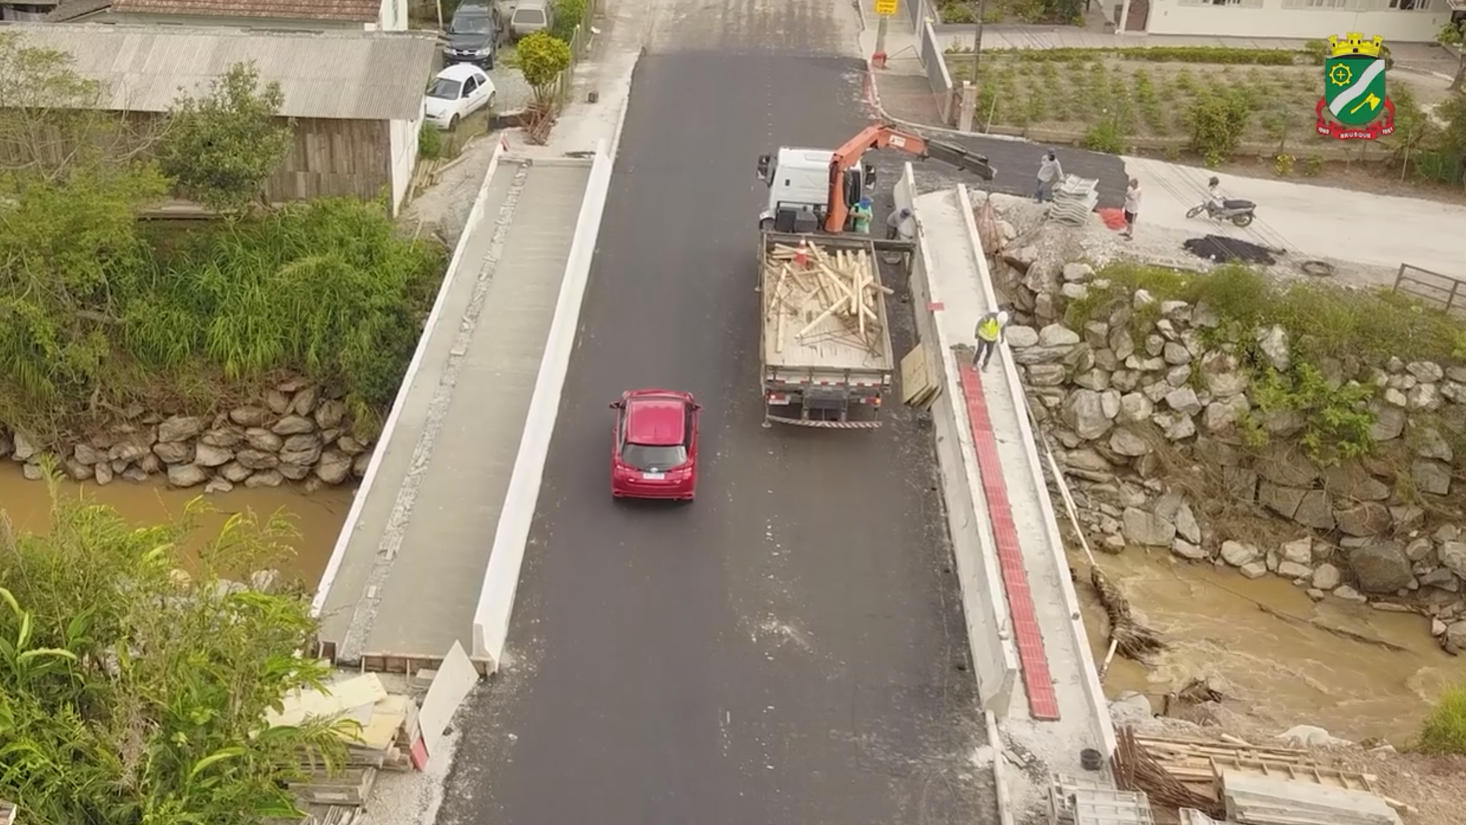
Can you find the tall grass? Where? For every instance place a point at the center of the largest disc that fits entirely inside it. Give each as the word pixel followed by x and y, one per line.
pixel 325 289
pixel 1323 321
pixel 1444 728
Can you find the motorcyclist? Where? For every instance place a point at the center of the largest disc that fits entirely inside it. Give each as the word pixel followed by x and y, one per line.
pixel 1214 194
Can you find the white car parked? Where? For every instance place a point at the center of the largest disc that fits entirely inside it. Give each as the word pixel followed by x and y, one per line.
pixel 457 92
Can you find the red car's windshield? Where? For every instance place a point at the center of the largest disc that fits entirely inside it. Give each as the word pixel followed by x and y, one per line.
pixel 648 458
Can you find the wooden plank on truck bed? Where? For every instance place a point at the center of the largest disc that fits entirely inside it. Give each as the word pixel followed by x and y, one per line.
pixel 828 313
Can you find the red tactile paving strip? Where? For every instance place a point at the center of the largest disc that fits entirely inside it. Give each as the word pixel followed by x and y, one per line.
pixel 1042 703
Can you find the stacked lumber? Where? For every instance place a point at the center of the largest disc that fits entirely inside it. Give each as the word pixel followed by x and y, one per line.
pixel 833 295
pixel 921 380
pixel 1261 800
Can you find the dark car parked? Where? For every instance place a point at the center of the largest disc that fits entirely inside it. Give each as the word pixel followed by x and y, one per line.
pixel 473 35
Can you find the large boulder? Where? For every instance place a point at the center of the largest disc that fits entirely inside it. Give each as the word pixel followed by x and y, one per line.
pixel 1147 529
pixel 1432 477
pixel 1381 567
pixel 1369 518
pixel 1084 413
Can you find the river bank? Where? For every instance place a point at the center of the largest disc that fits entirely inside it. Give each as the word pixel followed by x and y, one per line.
pixel 317 516
pixel 1265 642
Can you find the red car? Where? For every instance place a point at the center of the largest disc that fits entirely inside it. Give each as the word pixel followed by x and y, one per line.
pixel 654 448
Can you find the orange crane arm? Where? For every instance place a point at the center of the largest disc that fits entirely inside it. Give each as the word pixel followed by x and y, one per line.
pixel 884 137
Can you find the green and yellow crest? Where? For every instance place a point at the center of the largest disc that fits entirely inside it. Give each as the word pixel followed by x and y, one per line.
pixel 1355 105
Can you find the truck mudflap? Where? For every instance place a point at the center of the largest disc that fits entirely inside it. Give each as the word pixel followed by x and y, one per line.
pixel 824 425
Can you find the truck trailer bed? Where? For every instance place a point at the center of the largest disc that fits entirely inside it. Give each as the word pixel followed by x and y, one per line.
pixel 808 323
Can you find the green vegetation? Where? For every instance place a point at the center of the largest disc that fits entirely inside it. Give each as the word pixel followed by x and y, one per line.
pixel 97 310
pixel 131 693
pixel 1444 729
pixel 219 149
pixel 568 15
pixel 429 142
pixel 1335 336
pixel 1215 55
pixel 1012 11
pixel 541 58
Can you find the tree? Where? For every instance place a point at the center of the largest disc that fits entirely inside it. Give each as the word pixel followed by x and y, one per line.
pixel 221 147
pixel 542 57
pixel 1454 34
pixel 568 15
pixel 131 693
pixel 54 121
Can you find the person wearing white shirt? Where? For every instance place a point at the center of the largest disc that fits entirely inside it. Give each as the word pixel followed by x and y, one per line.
pixel 1132 207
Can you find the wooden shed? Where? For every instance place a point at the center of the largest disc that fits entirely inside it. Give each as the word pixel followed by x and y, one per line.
pixel 353 98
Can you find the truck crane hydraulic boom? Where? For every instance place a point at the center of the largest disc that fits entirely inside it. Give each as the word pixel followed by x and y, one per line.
pixel 883 137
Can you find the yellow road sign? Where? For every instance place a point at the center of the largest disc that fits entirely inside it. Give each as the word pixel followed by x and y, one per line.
pixel 886 7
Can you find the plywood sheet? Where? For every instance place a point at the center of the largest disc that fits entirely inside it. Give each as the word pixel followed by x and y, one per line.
pixel 456 678
pixel 343 696
pixel 381 730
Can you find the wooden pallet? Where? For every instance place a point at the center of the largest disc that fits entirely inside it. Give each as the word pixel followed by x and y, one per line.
pixel 351 789
pixel 1328 777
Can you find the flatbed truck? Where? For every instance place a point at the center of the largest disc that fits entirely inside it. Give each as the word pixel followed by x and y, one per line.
pixel 826 358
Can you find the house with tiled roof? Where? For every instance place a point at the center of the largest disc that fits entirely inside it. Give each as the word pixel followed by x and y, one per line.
pixel 297 15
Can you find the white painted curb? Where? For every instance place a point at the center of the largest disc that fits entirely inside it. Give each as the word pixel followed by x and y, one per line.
pixel 1099 707
pixel 501 579
pixel 353 516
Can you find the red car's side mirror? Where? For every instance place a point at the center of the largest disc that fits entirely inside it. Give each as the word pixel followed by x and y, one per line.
pixel 697 408
pixel 615 405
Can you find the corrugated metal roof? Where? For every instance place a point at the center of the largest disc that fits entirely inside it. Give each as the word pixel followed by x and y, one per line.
pixel 338 75
pixel 363 11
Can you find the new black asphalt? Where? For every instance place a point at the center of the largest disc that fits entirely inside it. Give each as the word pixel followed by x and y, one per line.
pixel 790 647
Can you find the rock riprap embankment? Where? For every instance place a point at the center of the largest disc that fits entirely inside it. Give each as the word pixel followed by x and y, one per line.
pixel 294 434
pixel 1168 445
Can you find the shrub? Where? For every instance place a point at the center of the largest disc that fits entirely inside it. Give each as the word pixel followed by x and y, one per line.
pixel 429 142
pixel 1336 420
pixel 1217 120
pixel 1283 165
pixel 1107 137
pixel 1161 54
pixel 1313 165
pixel 568 15
pixel 1444 728
pixel 541 58
pixel 1317 51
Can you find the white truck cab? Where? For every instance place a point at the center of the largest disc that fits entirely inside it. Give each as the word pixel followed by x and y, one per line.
pixel 799 187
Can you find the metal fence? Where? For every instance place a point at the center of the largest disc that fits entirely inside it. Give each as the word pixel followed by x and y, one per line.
pixel 1447 292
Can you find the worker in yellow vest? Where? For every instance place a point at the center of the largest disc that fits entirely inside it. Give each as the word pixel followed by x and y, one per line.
pixel 990 329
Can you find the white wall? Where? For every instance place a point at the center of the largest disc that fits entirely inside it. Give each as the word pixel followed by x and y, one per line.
pixel 1271 19
pixel 392 17
pixel 402 135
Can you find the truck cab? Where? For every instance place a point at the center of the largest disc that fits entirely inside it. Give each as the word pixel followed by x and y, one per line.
pixel 798 181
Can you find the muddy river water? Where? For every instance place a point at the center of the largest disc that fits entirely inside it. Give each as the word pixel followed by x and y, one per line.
pixel 317 517
pixel 1290 670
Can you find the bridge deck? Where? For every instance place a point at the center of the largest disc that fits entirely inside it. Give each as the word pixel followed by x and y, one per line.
pixel 414 564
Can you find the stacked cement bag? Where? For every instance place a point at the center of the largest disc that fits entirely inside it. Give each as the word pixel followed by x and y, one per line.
pixel 1074 199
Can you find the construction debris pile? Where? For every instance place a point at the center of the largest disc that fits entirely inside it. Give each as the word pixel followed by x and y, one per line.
pixel 1074 199
pixel 395 732
pixel 829 295
pixel 1233 782
pixel 1262 800
pixel 388 739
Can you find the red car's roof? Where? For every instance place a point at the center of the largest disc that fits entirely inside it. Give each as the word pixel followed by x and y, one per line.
pixel 656 420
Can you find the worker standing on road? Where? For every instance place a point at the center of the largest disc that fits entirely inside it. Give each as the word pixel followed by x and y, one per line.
pixel 1132 207
pixel 1050 172
pixel 862 214
pixel 990 332
pixel 894 223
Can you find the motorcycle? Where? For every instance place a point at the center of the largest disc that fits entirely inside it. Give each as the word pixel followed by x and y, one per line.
pixel 1239 212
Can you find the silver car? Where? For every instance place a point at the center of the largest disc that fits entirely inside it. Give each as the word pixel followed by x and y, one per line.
pixel 530 16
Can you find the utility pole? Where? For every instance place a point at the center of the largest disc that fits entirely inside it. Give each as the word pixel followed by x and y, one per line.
pixel 879 58
pixel 977 41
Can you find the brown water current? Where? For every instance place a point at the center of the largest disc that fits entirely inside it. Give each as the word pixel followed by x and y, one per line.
pixel 316 516
pixel 1288 670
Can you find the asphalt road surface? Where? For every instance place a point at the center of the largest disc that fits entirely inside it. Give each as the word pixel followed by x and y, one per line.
pixel 790 647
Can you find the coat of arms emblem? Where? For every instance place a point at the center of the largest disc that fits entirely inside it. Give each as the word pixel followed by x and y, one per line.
pixel 1355 105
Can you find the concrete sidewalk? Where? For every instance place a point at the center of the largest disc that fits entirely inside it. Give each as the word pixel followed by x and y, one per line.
pixel 413 567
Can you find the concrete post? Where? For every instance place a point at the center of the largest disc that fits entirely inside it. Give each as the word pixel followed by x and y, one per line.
pixel 1124 17
pixel 969 106
pixel 879 58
